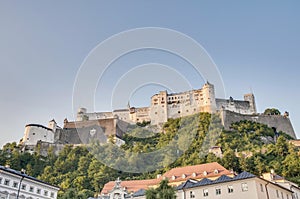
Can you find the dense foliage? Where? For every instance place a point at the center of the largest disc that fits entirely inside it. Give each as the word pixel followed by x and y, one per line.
pixel 248 146
pixel 163 191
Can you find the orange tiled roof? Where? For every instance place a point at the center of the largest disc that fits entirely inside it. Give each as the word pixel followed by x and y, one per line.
pixel 174 175
pixel 196 172
pixel 130 185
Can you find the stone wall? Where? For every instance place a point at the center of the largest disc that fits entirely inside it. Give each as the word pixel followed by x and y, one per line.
pixel 280 122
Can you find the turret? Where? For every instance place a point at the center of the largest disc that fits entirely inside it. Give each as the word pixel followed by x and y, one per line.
pixel 209 98
pixel 251 99
pixel 80 113
pixel 52 125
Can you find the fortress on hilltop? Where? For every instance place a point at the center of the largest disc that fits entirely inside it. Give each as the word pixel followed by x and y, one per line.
pixel 166 105
pixel 163 105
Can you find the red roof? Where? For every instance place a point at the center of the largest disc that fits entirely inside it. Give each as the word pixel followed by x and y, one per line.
pixel 209 170
pixel 130 185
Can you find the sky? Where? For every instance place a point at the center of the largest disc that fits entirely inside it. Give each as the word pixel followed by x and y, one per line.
pixel 254 44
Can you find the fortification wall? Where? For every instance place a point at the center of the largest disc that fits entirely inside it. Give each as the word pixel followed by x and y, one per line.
pixel 280 122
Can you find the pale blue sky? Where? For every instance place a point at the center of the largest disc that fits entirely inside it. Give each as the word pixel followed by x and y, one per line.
pixel 255 44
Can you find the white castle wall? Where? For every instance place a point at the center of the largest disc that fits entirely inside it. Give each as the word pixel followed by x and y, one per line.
pixel 34 133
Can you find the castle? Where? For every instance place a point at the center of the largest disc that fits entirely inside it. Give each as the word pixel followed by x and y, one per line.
pixel 164 105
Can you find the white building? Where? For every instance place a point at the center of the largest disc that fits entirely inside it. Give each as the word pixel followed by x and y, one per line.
pixel 206 181
pixel 245 185
pixel 17 185
pixel 36 132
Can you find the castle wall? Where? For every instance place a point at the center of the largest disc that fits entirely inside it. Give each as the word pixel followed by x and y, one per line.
pixel 280 122
pixel 122 114
pixel 34 133
pixel 242 107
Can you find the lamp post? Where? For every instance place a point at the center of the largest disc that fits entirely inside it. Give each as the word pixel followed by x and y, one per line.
pixel 20 184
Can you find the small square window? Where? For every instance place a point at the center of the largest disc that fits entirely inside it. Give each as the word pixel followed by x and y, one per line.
pixel 6 182
pixel 1 180
pixel 15 185
pixel 23 187
pixel 38 191
pixel 205 192
pixel 192 194
pixel 244 187
pixel 261 188
pixel 45 193
pixel 52 195
pixel 218 191
pixel 230 189
pixel 31 189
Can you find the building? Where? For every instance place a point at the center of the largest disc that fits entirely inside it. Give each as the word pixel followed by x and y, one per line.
pixel 274 178
pixel 245 185
pixel 207 181
pixel 15 184
pixel 176 176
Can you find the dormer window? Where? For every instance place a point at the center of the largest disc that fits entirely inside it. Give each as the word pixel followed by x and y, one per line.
pixel 216 171
pixel 194 175
pixel 173 177
pixel 205 173
pixel 183 176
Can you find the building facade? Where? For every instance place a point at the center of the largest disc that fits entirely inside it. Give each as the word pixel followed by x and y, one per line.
pixel 15 184
pixel 207 181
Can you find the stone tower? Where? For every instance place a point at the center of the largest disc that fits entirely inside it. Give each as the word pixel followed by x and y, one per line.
pixel 209 99
pixel 251 99
pixel 159 108
pixel 52 125
pixel 80 114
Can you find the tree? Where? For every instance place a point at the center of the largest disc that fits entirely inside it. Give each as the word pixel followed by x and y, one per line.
pixel 272 111
pixel 164 191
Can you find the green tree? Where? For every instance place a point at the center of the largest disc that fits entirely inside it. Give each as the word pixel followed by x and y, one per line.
pixel 164 191
pixel 272 111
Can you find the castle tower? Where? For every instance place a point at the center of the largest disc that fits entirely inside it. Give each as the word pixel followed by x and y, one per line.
pixel 52 125
pixel 209 99
pixel 80 113
pixel 251 99
pixel 159 108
